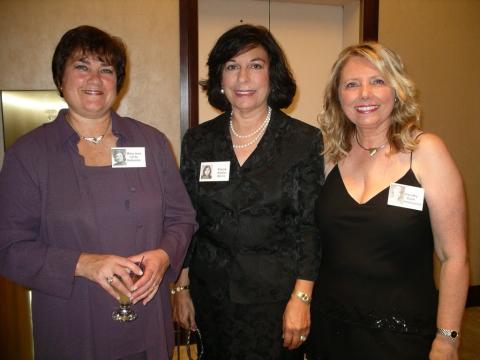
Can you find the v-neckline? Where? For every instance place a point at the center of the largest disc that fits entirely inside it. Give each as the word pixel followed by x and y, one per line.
pixel 373 196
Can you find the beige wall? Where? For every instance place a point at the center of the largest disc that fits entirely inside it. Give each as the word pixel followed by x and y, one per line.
pixel 30 30
pixel 440 43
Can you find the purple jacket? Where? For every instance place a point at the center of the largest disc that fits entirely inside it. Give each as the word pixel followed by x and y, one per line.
pixel 53 208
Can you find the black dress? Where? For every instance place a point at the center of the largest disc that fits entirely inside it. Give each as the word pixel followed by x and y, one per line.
pixel 375 297
pixel 256 234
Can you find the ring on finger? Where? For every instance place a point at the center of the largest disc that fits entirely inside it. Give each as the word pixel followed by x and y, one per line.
pixel 303 338
pixel 109 279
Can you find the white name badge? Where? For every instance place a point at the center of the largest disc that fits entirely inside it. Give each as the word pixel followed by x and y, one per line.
pixel 128 157
pixel 214 171
pixel 410 197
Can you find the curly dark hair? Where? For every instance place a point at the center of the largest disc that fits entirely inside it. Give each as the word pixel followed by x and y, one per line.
pixel 89 40
pixel 239 40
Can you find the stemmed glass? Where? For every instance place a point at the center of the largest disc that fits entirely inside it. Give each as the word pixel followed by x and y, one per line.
pixel 125 312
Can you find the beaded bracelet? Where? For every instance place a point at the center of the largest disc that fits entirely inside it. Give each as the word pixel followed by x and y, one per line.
pixel 177 289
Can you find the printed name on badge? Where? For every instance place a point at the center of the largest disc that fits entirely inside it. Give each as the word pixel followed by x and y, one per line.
pixel 214 171
pixel 128 157
pixel 410 197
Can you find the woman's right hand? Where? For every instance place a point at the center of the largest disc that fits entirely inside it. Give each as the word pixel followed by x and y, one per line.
pixel 183 310
pixel 109 271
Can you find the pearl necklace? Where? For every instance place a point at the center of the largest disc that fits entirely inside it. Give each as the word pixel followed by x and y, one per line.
pixel 262 126
pixel 92 139
pixel 260 131
pixel 372 150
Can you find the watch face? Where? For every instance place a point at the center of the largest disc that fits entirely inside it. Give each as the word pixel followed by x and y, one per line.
pixel 453 334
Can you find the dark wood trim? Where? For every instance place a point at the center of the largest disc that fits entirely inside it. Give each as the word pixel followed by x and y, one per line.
pixel 369 20
pixel 473 298
pixel 188 64
pixel 189 54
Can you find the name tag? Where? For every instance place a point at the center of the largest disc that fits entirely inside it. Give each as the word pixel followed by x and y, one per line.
pixel 214 171
pixel 128 157
pixel 410 197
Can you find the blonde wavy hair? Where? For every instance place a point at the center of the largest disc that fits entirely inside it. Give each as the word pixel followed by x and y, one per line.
pixel 338 130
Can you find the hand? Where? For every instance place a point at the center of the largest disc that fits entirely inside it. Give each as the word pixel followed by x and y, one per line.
pixel 444 349
pixel 296 323
pixel 183 310
pixel 107 271
pixel 155 263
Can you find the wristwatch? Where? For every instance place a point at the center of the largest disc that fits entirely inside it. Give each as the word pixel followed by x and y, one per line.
pixel 451 334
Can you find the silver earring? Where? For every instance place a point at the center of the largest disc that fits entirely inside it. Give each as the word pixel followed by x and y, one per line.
pixel 222 91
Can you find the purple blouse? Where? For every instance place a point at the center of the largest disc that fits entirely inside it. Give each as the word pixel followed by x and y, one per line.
pixel 53 208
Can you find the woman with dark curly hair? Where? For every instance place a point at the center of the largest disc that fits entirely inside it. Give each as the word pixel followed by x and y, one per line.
pixel 392 195
pixel 252 263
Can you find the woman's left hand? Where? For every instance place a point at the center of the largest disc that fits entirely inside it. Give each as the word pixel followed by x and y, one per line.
pixel 155 264
pixel 443 349
pixel 296 323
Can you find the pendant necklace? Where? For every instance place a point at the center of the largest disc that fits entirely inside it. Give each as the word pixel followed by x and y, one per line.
pixel 258 131
pixel 91 139
pixel 372 150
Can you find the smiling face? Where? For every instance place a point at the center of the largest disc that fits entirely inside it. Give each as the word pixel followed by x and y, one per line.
pixel 366 99
pixel 89 86
pixel 245 80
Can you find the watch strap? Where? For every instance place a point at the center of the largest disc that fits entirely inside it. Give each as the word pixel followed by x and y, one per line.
pixel 451 334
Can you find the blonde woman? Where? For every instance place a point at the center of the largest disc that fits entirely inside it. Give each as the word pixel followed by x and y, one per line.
pixel 375 296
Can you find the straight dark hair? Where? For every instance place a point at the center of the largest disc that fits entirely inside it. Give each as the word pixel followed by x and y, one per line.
pixel 239 40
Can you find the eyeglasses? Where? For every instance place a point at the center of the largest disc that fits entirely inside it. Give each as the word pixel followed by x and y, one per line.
pixel 194 336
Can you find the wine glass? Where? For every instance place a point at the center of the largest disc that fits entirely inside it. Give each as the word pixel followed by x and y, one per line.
pixel 125 312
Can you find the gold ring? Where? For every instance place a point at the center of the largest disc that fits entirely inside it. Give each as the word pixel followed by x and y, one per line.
pixel 303 338
pixel 109 279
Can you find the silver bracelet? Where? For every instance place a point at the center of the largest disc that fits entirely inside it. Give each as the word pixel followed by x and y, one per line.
pixel 303 297
pixel 177 289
